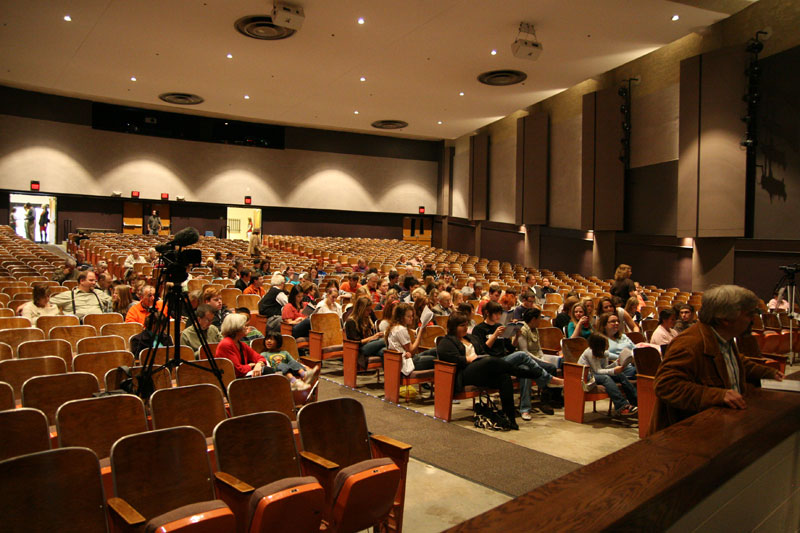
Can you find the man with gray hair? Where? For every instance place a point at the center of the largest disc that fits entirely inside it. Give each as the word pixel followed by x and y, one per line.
pixel 702 367
pixel 69 272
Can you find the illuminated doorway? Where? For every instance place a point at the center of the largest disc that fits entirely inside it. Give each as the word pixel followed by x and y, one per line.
pixel 242 221
pixel 44 227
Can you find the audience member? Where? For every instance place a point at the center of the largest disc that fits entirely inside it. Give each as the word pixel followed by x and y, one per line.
pixel 607 305
pixel 398 339
pixel 132 259
pixel 212 297
pixel 360 328
pixel 608 325
pixel 281 361
pixel 140 311
pixel 69 272
pixel 608 374
pixel 686 318
pixel 84 299
pixel 256 286
pixel 122 300
pixel 329 304
pixel 444 305
pixel 39 305
pixel 580 324
pixel 246 361
pixel 563 318
pixel 665 331
pixel 244 280
pixel 528 341
pixel 191 337
pixel 272 302
pixel 292 313
pixel 623 287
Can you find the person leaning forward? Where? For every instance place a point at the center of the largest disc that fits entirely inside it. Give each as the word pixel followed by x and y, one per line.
pixel 702 367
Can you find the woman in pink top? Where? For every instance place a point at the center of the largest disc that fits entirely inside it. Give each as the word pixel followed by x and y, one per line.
pixel 291 313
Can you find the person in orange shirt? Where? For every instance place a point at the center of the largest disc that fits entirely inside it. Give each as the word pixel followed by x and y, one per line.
pixel 256 286
pixel 351 285
pixel 140 311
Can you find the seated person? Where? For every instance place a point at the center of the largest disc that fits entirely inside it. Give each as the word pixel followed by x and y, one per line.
pixel 444 305
pixel 244 279
pixel 494 296
pixel 292 313
pixel 272 303
pixel 140 311
pixel 564 316
pixel 329 304
pixel 256 286
pixel 212 297
pixel 398 339
pixel 254 333
pixel 778 302
pixel 608 374
pixel 132 259
pixel 284 363
pixel 351 285
pixel 527 302
pixel 686 318
pixel 580 324
pixel 607 305
pixel 191 338
pixel 361 328
pixel 664 333
pixel 69 272
pixel 40 304
pixel 608 326
pixel 155 334
pixel 83 300
pixel 246 361
pixel 528 341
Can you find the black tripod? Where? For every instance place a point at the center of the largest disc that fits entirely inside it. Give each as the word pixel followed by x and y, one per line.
pixel 787 284
pixel 172 273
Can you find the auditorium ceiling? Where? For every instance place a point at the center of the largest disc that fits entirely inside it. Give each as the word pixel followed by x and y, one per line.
pixel 416 57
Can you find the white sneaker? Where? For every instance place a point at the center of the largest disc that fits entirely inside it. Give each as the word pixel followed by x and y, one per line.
pixel 311 375
pixel 300 385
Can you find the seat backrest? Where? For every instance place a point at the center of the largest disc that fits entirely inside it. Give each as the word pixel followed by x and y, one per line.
pixel 72 334
pixel 161 470
pixel 190 375
pixel 48 393
pixel 263 393
pixel 98 363
pixel 164 352
pixel 572 348
pixel 229 297
pixel 6 396
pixel 330 326
pixel 56 474
pixel 6 351
pixel 97 423
pixel 647 360
pixel 649 324
pixel 14 322
pixel 46 323
pixel 126 330
pixel 24 431
pixel 14 337
pixel 101 343
pixel 269 432
pixel 114 378
pixel 249 301
pixel 550 338
pixel 6 313
pixel 58 347
pixel 429 334
pixel 15 372
pixel 290 345
pixel 200 406
pixel 98 320
pixel 636 336
pixel 335 429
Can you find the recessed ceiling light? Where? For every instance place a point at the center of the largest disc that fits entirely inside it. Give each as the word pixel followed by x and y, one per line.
pixel 675 17
pixel 363 78
pixel 355 112
pixel 133 78
pixel 461 93
pixel 361 20
pixel 439 122
pixel 247 97
pixel 229 56
pixel 494 52
pixel 67 18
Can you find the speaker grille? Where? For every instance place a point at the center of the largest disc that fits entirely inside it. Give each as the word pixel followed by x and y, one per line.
pixel 389 124
pixel 261 27
pixel 181 98
pixel 502 77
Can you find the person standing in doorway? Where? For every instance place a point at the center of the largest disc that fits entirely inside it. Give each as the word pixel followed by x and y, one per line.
pixel 153 223
pixel 30 221
pixel 249 228
pixel 44 221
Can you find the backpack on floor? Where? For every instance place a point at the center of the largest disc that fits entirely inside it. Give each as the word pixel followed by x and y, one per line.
pixel 488 416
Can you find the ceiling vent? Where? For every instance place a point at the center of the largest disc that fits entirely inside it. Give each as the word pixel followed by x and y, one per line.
pixel 389 124
pixel 181 98
pixel 261 27
pixel 502 77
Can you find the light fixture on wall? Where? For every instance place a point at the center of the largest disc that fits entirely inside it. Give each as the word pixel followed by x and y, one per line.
pixel 35 185
pixel 248 200
pixel 180 198
pixel 116 194
pixel 134 194
pixel 165 196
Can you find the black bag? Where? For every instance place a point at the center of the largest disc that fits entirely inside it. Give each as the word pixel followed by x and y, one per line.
pixel 488 416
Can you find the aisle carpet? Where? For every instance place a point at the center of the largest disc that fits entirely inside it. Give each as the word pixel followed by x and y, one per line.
pixel 497 464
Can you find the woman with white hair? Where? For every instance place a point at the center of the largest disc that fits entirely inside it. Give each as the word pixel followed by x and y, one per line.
pixel 272 303
pixel 246 361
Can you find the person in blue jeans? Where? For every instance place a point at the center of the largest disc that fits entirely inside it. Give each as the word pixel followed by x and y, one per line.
pixel 300 376
pixel 609 374
pixel 490 333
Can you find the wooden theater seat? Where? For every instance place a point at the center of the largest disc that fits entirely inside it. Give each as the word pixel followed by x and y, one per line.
pixel 393 376
pixel 15 337
pixel 48 393
pixel 16 372
pixel 647 360
pixel 126 330
pixel 98 363
pixel 46 323
pixel 272 392
pixel 58 347
pixel 98 320
pixel 6 396
pixel 201 406
pixel 24 431
pixel 350 352
pixel 114 378
pixel 574 375
pixel 100 343
pixel 191 375
pixel 72 334
pixel 325 339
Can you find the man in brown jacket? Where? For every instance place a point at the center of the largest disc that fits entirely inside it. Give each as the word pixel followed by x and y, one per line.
pixel 702 367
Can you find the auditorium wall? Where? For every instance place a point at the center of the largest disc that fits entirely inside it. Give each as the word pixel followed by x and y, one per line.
pixel 67 158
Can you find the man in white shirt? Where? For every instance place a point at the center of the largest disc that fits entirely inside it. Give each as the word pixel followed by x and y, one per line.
pixel 133 258
pixel 85 299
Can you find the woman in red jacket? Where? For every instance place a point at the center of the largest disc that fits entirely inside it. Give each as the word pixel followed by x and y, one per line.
pixel 246 361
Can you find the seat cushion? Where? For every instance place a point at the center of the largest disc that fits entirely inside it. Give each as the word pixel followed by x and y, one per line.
pixel 329 349
pixel 374 360
pixel 346 472
pixel 301 340
pixel 275 487
pixel 421 374
pixel 182 512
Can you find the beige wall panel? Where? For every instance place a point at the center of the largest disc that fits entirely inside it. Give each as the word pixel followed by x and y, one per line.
pixel 461 178
pixel 68 158
pixel 503 170
pixel 654 126
pixel 565 173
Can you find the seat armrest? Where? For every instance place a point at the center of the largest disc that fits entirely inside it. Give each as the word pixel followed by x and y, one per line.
pixel 395 450
pixel 233 482
pixel 126 512
pixel 318 461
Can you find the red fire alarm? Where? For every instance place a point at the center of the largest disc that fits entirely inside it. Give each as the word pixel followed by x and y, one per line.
pixel 248 200
pixel 134 194
pixel 165 196
pixel 422 210
pixel 35 185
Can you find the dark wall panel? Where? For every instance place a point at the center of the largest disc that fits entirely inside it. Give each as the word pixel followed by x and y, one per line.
pixel 758 269
pixel 205 217
pixel 688 146
pixel 533 147
pixel 663 266
pixel 75 212
pixel 609 178
pixel 502 245
pixel 479 176
pixel 651 199
pixel 568 253
pixel 588 147
pixel 461 238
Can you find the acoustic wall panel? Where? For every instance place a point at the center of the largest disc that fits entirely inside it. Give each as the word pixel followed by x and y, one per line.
pixel 479 176
pixel 533 147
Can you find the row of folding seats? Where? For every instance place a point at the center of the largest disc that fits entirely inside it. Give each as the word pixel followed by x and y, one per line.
pixel 344 477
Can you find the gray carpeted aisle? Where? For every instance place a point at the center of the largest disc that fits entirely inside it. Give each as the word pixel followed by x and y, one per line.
pixel 495 463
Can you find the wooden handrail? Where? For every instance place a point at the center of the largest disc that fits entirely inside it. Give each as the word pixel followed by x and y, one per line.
pixel 652 483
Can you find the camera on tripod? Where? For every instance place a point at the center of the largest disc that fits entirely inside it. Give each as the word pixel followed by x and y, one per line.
pixel 790 269
pixel 175 262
